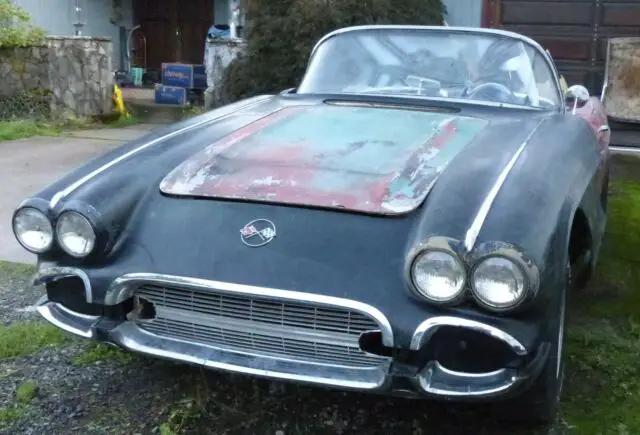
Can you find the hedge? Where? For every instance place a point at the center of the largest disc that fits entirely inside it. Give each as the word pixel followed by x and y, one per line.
pixel 16 27
pixel 282 33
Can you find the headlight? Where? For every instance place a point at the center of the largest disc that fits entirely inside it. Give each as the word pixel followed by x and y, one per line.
pixel 438 276
pixel 499 283
pixel 75 234
pixel 33 230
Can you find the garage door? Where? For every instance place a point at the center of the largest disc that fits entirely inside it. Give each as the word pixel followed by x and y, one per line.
pixel 574 31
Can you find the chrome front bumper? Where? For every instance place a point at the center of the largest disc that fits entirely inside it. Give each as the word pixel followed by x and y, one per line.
pixel 388 377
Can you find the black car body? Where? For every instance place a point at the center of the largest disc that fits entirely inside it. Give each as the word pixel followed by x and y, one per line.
pixel 338 237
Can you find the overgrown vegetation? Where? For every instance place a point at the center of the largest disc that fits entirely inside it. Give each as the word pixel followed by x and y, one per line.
pixel 26 104
pixel 11 414
pixel 281 35
pixel 25 338
pixel 603 391
pixel 26 392
pixel 16 27
pixel 12 130
pixel 16 270
pixel 101 352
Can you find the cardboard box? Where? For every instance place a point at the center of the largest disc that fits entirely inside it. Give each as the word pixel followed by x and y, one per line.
pixel 199 77
pixel 184 75
pixel 170 95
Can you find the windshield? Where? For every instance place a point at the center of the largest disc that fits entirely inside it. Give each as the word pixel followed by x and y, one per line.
pixel 433 63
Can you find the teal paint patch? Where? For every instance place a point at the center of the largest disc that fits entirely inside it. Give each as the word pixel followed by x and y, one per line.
pixel 368 159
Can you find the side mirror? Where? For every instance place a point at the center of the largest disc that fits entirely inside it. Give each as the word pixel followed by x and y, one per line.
pixel 577 96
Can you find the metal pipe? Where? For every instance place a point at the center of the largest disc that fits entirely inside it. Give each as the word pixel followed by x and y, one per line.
pixel 128 48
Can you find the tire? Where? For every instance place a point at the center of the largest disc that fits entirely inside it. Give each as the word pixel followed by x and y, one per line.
pixel 540 402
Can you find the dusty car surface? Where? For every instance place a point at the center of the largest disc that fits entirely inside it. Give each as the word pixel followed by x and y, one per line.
pixel 408 221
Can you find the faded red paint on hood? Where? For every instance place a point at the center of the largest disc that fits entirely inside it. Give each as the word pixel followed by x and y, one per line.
pixel 373 160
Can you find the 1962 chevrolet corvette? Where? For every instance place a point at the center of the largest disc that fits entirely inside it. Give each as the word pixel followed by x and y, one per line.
pixel 407 221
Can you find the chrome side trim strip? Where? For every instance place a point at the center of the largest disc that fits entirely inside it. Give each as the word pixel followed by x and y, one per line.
pixel 123 288
pixel 217 115
pixel 430 326
pixel 485 207
pixel 50 274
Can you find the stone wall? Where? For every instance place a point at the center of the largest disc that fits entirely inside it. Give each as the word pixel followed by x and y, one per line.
pixel 218 55
pixel 72 76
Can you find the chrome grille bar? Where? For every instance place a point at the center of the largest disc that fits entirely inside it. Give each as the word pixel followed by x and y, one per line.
pixel 259 325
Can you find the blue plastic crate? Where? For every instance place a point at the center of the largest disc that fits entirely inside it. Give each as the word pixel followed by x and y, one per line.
pixel 170 95
pixel 184 75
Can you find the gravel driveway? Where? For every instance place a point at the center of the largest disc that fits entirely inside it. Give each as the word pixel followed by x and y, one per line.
pixel 69 386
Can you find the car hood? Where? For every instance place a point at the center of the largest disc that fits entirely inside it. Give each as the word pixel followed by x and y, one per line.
pixel 364 159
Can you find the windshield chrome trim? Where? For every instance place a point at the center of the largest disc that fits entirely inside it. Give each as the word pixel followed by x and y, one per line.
pixel 470 30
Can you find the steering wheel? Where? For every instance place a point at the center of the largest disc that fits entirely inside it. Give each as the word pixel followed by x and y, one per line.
pixel 492 92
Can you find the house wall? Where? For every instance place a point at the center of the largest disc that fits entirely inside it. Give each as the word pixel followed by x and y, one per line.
pixel 55 17
pixel 221 11
pixel 465 13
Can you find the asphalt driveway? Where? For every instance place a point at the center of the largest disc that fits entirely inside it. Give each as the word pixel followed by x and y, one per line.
pixel 28 165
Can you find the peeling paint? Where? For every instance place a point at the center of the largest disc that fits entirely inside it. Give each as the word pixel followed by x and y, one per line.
pixel 373 160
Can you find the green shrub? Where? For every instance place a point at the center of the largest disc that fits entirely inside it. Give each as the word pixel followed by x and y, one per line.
pixel 16 28
pixel 282 33
pixel 31 104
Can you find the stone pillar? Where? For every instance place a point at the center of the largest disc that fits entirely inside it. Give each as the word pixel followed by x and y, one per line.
pixel 219 54
pixel 80 76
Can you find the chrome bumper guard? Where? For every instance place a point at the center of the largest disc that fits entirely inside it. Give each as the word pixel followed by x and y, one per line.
pixel 436 380
pixel 129 336
pixel 75 323
pixel 433 380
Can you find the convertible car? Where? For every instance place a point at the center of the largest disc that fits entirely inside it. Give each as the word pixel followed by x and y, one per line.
pixel 408 221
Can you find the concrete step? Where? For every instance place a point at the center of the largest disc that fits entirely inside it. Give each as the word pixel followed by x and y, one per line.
pixel 140 102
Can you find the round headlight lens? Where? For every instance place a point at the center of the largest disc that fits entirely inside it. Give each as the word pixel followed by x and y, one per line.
pixel 499 283
pixel 33 230
pixel 75 234
pixel 439 276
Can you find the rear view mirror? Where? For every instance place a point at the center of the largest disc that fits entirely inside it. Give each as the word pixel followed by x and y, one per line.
pixel 577 95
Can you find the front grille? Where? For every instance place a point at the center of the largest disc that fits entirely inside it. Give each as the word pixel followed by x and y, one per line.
pixel 259 326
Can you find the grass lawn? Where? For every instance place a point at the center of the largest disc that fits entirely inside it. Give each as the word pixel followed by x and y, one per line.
pixel 25 338
pixel 603 386
pixel 13 130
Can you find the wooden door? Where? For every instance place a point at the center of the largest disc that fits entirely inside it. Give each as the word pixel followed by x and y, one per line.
pixel 175 30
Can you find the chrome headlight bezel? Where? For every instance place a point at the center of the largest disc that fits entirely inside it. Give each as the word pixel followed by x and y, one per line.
pixel 525 265
pixel 437 245
pixel 60 237
pixel 487 303
pixel 31 209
